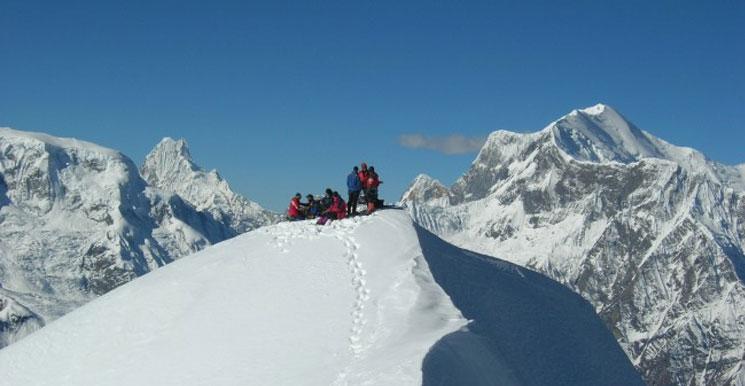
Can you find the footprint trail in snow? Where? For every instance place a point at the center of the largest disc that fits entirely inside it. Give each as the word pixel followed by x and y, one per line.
pixel 283 235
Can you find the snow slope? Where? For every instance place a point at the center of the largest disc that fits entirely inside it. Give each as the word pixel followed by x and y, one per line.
pixel 361 301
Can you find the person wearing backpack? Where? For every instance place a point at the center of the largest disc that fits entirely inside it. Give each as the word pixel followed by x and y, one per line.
pixel 294 212
pixel 371 192
pixel 362 175
pixel 354 186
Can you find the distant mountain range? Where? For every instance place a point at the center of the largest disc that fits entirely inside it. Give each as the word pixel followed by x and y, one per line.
pixel 78 219
pixel 650 233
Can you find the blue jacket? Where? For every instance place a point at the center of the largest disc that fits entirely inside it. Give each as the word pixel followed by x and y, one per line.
pixel 353 182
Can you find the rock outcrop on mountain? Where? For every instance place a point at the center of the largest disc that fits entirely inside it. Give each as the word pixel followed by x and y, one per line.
pixel 650 233
pixel 77 220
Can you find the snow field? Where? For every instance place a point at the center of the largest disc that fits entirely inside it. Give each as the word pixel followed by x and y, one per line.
pixel 295 303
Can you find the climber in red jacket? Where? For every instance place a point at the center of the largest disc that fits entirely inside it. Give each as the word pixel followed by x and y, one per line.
pixel 293 211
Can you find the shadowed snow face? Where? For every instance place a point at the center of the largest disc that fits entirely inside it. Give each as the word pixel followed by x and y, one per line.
pixel 525 329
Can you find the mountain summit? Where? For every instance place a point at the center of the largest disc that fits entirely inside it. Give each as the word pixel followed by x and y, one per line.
pixel 600 134
pixel 650 233
pixel 169 167
pixel 370 300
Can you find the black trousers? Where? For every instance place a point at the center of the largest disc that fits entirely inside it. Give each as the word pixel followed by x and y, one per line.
pixel 354 197
pixel 371 196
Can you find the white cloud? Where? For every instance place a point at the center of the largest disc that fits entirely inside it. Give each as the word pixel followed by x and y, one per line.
pixel 451 144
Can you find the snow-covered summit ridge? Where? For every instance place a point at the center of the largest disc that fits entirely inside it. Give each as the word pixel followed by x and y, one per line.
pixel 370 300
pixel 60 142
pixel 601 134
pixel 41 171
pixel 598 135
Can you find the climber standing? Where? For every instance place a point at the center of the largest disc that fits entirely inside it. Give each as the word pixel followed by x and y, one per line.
pixel 354 186
pixel 371 190
pixel 362 174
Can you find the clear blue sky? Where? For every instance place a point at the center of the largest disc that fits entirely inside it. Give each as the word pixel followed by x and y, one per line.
pixel 283 97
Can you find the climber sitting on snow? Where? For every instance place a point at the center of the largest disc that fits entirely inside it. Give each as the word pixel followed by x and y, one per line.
pixel 341 206
pixel 338 208
pixel 294 211
pixel 327 200
pixel 312 208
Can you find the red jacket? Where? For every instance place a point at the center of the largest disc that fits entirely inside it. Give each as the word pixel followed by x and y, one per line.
pixel 338 207
pixel 373 181
pixel 363 174
pixel 341 209
pixel 294 209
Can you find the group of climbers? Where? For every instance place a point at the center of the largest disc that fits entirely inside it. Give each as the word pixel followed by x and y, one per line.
pixel 332 206
pixel 363 180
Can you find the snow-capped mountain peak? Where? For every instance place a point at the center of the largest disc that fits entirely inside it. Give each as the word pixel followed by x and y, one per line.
pixel 426 188
pixel 600 134
pixel 169 167
pixel 598 109
pixel 168 159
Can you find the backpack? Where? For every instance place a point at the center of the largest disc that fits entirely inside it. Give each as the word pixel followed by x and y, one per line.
pixel 373 180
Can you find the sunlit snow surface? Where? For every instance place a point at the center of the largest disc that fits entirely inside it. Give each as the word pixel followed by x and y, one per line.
pixel 351 303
